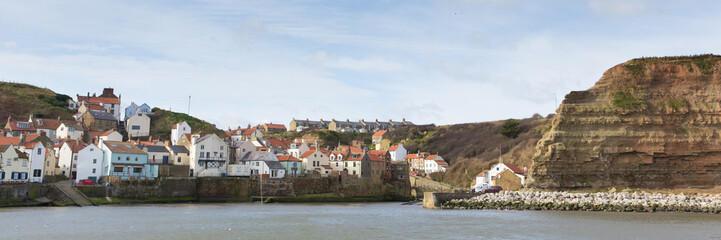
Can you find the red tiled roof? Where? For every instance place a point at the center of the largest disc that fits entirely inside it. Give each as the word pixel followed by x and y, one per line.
pixel 15 141
pixel 105 100
pixel 326 167
pixel 441 162
pixel 307 154
pixel 275 126
pixel 393 148
pixel 95 107
pixel 14 126
pixel 514 168
pixel 324 151
pixel 358 157
pixel 249 131
pixel 31 137
pixel 47 123
pixel 380 133
pixel 286 158
pixel 376 155
pixel 431 157
pixel 276 143
pixel 356 149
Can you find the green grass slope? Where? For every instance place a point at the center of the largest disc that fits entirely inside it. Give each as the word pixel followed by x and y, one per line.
pixel 162 121
pixel 20 100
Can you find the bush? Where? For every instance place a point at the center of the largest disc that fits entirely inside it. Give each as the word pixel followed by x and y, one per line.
pixel 628 101
pixel 510 128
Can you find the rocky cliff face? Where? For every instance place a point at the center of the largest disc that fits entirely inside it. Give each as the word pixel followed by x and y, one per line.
pixel 649 123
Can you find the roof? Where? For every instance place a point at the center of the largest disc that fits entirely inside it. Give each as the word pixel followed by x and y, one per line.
pixel 153 148
pixel 204 137
pixel 288 158
pixel 514 168
pixel 376 155
pixel 102 115
pixel 10 140
pixel 123 147
pixel 358 157
pixel 101 134
pixel 307 153
pixel 326 167
pixel 95 107
pixel 275 126
pixel 441 162
pixel 4 147
pixel 249 131
pixel 418 155
pixel 432 157
pixel 42 123
pixel 379 133
pixel 179 149
pixel 254 156
pixel 31 137
pixel 16 126
pixel 393 148
pixel 274 165
pixel 105 100
pixel 277 143
pixel 21 154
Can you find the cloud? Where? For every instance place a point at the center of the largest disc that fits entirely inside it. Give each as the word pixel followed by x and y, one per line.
pixel 10 44
pixel 618 7
pixel 374 64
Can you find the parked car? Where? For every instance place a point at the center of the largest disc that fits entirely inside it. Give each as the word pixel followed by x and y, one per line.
pixel 415 174
pixel 86 182
pixel 494 189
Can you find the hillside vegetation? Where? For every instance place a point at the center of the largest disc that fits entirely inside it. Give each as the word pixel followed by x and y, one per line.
pixel 162 121
pixel 473 147
pixel 20 100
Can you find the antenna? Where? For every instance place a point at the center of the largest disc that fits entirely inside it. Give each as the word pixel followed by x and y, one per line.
pixel 188 105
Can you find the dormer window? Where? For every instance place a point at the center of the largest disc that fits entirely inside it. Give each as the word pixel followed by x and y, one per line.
pixel 40 122
pixel 23 125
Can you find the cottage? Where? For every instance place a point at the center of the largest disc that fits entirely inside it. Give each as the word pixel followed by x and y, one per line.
pixel 380 164
pixel 487 178
pixel 68 158
pixel 99 121
pixel 358 164
pixel 335 160
pixel 156 154
pixel 398 152
pixel 14 164
pixel 89 163
pixel 16 128
pixel 300 125
pixel 347 126
pixel 134 108
pixel 179 129
pixel 297 149
pixel 417 161
pixel 251 163
pixel 111 135
pixel 49 126
pixel 270 127
pixel 51 162
pixel 434 163
pixel 138 125
pixel 36 153
pixel 69 129
pixel 291 164
pixel 108 101
pixel 125 160
pixel 378 140
pixel 179 155
pixel 208 156
pixel 313 160
pixel 399 171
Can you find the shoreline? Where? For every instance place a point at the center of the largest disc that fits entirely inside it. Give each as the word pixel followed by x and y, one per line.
pixel 608 202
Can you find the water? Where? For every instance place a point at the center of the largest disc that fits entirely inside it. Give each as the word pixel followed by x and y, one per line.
pixel 342 221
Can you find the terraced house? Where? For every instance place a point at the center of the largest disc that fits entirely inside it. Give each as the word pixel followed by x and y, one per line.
pixel 208 156
pixel 14 164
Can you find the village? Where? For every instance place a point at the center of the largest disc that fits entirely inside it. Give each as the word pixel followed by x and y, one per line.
pixel 101 146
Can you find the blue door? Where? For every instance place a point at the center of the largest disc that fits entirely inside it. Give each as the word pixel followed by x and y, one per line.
pixel 165 159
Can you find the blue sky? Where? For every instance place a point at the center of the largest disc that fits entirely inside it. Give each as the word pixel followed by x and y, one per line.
pixel 248 62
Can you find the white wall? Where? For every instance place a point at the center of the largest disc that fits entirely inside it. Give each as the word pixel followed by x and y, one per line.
pixel 90 159
pixel 140 120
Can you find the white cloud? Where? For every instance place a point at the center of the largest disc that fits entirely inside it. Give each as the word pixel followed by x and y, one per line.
pixel 369 64
pixel 10 44
pixel 618 7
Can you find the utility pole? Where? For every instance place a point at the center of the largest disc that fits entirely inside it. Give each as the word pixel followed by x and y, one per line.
pixel 261 182
pixel 188 105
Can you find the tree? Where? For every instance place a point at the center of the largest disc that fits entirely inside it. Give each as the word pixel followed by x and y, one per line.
pixel 510 128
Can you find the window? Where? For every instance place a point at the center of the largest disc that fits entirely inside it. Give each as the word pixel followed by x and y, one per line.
pixel 354 172
pixel 75 157
pixel 47 163
pixel 135 127
pixel 202 146
pixel 353 164
pixel 137 170
pixel 202 154
pixel 200 163
pixel 127 159
pixel 221 155
pixel 136 159
pixel 40 151
pixel 221 148
pixel 91 149
pixel 25 163
pixel 178 159
pixel 93 170
pixel 336 164
pixel 118 169
pixel 118 158
pixel 37 173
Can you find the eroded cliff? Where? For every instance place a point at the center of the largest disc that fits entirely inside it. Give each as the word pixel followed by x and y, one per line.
pixel 649 123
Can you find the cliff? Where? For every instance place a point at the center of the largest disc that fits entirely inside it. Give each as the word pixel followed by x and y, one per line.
pixel 648 123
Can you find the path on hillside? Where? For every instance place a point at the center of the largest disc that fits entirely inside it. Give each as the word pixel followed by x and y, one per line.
pixel 67 188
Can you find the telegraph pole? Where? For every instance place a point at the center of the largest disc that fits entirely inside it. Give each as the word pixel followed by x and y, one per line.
pixel 188 105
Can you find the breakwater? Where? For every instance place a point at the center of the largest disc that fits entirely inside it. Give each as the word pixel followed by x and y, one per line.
pixel 616 202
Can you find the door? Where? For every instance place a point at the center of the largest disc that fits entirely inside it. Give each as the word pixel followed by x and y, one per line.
pixel 165 159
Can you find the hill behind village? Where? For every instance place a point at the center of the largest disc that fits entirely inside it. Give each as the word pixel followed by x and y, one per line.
pixel 20 100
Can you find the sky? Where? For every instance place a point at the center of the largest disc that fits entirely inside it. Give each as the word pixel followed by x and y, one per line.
pixel 252 62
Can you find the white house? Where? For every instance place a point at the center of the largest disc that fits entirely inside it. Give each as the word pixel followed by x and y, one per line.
pixel 67 158
pixel 242 148
pixel 13 164
pixel 90 163
pixel 138 125
pixel 251 163
pixel 157 154
pixel 298 149
pixel 49 126
pixel 398 152
pixel 69 129
pixel 112 135
pixel 178 130
pixel 314 161
pixel 208 156
pixel 485 179
pixel 36 153
pixel 434 163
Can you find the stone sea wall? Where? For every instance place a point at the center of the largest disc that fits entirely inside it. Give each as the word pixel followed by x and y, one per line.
pixel 615 202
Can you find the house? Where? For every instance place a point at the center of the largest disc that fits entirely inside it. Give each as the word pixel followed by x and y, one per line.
pixel 179 129
pixel 208 156
pixel 251 133
pixel 358 164
pixel 179 155
pixel 67 158
pixel 487 178
pixel 185 140
pixel 297 149
pixel 156 154
pixel 291 164
pixel 313 160
pixel 69 129
pixel 138 125
pixel 399 171
pixel 99 121
pixel 51 162
pixel 107 100
pixel 300 125
pixel 84 107
pixel 72 104
pixel 125 160
pixel 270 127
pixel 36 152
pixel 89 163
pixel 14 165
pixel 17 128
pixel 335 160
pixel 508 180
pixel 379 140
pixel 434 163
pixel 398 152
pixel 134 108
pixel 378 136
pixel 417 161
pixel 254 163
pixel 241 148
pixel 49 126
pixel 111 135
pixel 380 164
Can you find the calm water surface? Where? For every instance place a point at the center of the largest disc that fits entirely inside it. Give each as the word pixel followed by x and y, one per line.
pixel 342 221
